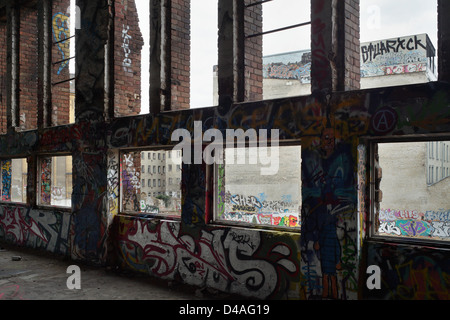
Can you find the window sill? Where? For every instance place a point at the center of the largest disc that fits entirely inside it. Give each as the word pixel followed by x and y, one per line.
pixel 57 208
pixel 254 227
pixel 425 243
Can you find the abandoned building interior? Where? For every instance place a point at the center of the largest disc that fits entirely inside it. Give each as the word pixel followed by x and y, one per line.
pixel 108 169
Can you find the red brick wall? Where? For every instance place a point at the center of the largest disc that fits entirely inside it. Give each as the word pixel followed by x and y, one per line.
pixel 352 45
pixel 181 51
pixel 28 59
pixel 253 53
pixel 127 54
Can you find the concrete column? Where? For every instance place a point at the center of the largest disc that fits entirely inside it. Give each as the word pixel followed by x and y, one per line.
pixel 328 236
pixel 90 221
pixel 91 39
pixel 348 33
pixel 226 66
pixel 444 40
pixel 323 46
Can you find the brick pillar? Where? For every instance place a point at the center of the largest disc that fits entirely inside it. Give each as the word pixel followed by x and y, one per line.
pixel 323 46
pixel 180 37
pixel 90 217
pixel 253 23
pixel 3 77
pixel 348 48
pixel 335 45
pixel 128 43
pixel 28 74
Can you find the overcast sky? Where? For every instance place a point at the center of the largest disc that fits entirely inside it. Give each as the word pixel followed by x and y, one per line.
pixel 380 19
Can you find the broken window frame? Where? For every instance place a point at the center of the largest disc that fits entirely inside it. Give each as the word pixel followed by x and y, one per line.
pixel 247 96
pixel 160 215
pixel 376 194
pixel 161 66
pixel 52 42
pixel 214 219
pixel 44 58
pixel 262 33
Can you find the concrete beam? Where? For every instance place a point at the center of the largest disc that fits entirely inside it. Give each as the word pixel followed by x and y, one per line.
pixel 323 46
pixel 226 64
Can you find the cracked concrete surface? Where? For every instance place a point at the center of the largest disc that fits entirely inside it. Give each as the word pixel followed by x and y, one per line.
pixel 27 274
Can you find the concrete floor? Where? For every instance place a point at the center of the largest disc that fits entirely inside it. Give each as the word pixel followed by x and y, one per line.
pixel 27 274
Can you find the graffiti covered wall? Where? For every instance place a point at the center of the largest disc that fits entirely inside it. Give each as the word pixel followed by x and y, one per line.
pixel 246 262
pixel 395 56
pixel 36 228
pixel 321 261
pixel 409 272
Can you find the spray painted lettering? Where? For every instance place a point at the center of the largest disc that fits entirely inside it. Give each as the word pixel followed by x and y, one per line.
pixel 372 50
pixel 126 49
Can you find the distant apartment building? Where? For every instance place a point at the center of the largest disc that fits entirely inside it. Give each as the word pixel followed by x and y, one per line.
pixel 438 163
pixel 160 185
pixel 161 173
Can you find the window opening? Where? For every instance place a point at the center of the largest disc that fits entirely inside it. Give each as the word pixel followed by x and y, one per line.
pixel 412 199
pixel 188 56
pixel 244 196
pixel 63 25
pixel 161 195
pixel 277 49
pixel 55 181
pixel 204 53
pixel 131 52
pixel 13 180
